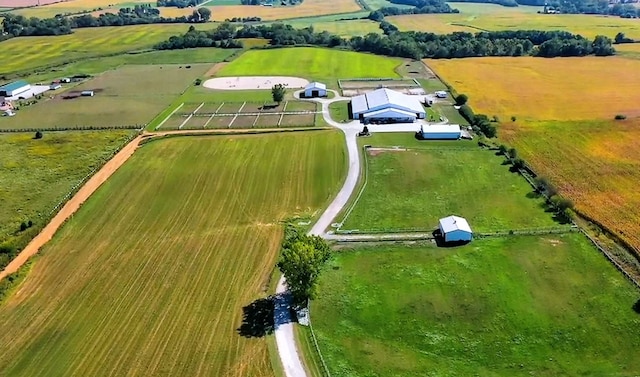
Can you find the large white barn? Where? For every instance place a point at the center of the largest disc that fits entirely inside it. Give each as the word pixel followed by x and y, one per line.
pixel 14 88
pixel 315 89
pixel 386 106
pixel 455 229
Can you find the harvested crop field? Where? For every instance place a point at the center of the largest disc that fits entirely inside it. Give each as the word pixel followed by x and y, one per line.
pixel 306 9
pixel 595 164
pixel 150 276
pixel 545 89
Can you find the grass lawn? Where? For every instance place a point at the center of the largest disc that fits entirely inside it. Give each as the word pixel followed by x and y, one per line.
pixel 477 17
pixel 39 173
pixel 150 276
pixel 130 95
pixel 345 28
pixel 312 63
pixel 568 88
pixel 339 111
pixel 26 53
pixel 516 306
pixel 414 188
pixel 599 169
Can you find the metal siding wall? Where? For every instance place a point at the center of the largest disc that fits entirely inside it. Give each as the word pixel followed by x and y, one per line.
pixel 441 135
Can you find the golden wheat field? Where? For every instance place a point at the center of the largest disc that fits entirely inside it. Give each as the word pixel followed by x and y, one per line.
pixel 511 19
pixel 150 276
pixel 596 164
pixel 73 6
pixel 307 8
pixel 546 89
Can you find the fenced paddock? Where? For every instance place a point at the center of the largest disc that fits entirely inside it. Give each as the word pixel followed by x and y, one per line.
pixel 212 115
pixel 353 87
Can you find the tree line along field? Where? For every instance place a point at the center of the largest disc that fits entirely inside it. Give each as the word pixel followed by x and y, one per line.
pixel 515 306
pixel 414 188
pixel 496 17
pixel 150 276
pixel 26 53
pixel 545 89
pixel 39 173
pixel 596 164
pixel 308 8
pixel 312 63
pixel 128 96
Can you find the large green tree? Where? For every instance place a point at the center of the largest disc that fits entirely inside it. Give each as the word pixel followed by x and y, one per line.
pixel 301 262
pixel 277 91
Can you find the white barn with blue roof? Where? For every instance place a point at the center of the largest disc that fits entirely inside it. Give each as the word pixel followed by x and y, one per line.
pixel 14 88
pixel 455 229
pixel 386 106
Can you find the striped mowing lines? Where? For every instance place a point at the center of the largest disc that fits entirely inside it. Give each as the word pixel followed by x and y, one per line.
pixel 150 276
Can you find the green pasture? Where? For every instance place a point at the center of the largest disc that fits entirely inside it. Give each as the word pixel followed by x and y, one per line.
pixel 513 306
pixel 311 63
pixel 37 174
pixel 151 275
pixel 339 111
pixel 412 189
pixel 24 54
pixel 130 95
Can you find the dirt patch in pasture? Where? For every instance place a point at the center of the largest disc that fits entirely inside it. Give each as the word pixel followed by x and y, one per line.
pixel 378 151
pixel 213 70
pixel 254 82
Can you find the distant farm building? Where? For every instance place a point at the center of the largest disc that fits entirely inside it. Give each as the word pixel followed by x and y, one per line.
pixel 55 86
pixel 386 106
pixel 455 229
pixel 315 89
pixel 441 94
pixel 87 93
pixel 440 132
pixel 14 88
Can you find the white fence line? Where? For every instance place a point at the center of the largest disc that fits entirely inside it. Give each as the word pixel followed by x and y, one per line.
pixel 315 342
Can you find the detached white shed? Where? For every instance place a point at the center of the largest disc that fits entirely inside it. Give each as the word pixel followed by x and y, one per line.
pixel 315 89
pixel 455 229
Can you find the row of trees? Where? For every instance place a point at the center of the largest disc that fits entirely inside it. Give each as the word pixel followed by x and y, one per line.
pixel 179 3
pixel 414 45
pixel 17 25
pixel 419 7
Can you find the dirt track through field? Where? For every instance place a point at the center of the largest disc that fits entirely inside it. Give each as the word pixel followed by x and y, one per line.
pixel 71 207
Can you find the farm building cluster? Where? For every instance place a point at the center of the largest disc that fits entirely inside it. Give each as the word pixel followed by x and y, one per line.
pixel 386 106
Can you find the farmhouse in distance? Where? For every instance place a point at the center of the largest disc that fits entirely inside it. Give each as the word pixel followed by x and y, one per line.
pixel 386 106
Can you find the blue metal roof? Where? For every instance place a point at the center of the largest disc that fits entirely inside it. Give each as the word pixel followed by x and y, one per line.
pixel 13 85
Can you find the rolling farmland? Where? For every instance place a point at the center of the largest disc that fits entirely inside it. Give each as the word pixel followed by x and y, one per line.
pixel 569 88
pixel 150 276
pixel 26 53
pixel 493 17
pixel 513 306
pixel 596 164
pixel 306 9
pixel 312 63
pixel 72 6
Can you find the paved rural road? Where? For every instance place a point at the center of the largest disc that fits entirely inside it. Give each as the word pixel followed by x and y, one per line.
pixel 285 339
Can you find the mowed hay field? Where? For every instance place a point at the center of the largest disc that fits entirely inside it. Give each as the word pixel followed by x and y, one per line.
pixel 312 63
pixel 596 164
pixel 514 306
pixel 413 189
pixel 149 278
pixel 37 174
pixel 128 96
pixel 72 6
pixel 496 17
pixel 545 89
pixel 26 53
pixel 308 8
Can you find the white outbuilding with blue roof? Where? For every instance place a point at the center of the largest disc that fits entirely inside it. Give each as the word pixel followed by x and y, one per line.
pixel 14 88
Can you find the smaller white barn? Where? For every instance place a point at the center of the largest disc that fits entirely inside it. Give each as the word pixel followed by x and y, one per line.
pixel 315 89
pixel 440 132
pixel 455 229
pixel 87 93
pixel 441 94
